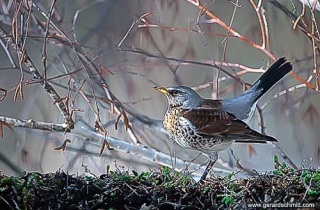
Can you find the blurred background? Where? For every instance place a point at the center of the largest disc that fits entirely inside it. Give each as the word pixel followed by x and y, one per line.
pixel 105 56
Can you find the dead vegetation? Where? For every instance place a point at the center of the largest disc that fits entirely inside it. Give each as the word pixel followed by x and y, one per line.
pixel 161 189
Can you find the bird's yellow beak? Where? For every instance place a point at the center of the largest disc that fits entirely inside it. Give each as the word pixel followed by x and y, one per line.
pixel 161 89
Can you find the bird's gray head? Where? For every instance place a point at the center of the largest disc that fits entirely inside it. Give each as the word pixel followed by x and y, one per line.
pixel 180 96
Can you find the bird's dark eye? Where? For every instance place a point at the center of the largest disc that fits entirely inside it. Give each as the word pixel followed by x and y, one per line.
pixel 174 92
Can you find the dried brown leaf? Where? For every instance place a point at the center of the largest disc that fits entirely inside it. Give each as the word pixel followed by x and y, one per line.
pixel 108 145
pixel 59 100
pixel 5 92
pixel 104 69
pixel 146 14
pixel 125 120
pixel 77 110
pixel 7 124
pixel 102 147
pixel 14 26
pixel 98 127
pixel 1 127
pixel 117 121
pixel 63 145
pixel 251 149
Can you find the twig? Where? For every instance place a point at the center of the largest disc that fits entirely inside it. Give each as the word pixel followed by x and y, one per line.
pixel 314 45
pixel 263 34
pixel 232 31
pixel 131 27
pixel 138 51
pixel 241 37
pixel 4 47
pixel 215 88
pixel 88 66
pixel 300 17
pixel 32 124
pixel 45 39
pixel 75 17
pixel 282 93
pixel 4 93
pixel 36 75
pixel 225 41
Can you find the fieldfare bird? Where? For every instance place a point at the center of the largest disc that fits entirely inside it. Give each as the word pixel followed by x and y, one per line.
pixel 209 125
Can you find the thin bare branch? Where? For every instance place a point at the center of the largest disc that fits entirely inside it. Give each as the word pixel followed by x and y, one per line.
pixel 32 124
pixel 45 40
pixel 233 32
pixel 36 75
pixel 141 18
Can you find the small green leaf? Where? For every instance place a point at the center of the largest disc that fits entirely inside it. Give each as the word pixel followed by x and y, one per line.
pixel 316 176
pixel 284 165
pixel 231 186
pixel 308 177
pixel 277 172
pixel 303 174
pixel 312 192
pixel 165 170
pixel 229 176
pixel 227 200
pixel 135 173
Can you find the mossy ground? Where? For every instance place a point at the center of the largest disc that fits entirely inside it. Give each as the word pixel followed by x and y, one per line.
pixel 159 189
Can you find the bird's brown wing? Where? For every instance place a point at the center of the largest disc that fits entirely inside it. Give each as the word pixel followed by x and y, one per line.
pixel 219 123
pixel 209 121
pixel 210 104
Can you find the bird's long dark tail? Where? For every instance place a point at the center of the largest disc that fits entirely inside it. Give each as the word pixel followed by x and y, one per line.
pixel 273 75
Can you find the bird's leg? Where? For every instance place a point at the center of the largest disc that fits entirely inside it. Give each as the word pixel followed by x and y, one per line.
pixel 173 157
pixel 212 160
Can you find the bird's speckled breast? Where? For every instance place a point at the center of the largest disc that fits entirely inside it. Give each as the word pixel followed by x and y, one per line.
pixel 171 121
pixel 184 133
